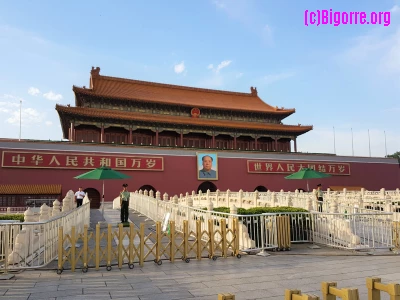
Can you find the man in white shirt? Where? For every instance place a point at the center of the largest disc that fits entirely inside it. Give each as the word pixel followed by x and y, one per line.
pixel 79 195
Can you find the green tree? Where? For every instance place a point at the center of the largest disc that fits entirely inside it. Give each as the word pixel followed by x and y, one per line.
pixel 395 155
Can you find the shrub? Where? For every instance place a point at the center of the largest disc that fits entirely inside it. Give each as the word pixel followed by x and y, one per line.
pixel 261 210
pixel 19 217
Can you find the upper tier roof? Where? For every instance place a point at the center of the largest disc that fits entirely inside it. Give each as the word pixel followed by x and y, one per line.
pixel 128 89
pixel 135 116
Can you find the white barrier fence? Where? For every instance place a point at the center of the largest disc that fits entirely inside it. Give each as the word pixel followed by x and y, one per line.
pixel 33 243
pixel 372 230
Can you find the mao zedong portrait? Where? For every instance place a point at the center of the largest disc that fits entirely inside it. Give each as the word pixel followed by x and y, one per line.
pixel 207 171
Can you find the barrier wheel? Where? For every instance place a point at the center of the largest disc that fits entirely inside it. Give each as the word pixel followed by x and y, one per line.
pixel 85 269
pixel 239 256
pixel 109 268
pixel 187 260
pixel 155 260
pixel 131 266
pixel 182 258
pixel 214 258
pixel 59 271
pixel 159 262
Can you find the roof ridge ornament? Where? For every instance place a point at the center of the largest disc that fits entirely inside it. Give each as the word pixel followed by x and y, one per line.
pixel 253 91
pixel 95 71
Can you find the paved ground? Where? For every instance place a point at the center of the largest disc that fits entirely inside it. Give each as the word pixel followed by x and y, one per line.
pixel 251 277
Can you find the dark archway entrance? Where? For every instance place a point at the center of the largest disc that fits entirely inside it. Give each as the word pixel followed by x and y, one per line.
pixel 261 188
pixel 148 188
pixel 94 197
pixel 207 185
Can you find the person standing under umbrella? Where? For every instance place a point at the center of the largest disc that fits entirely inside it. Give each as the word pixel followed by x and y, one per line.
pixel 124 202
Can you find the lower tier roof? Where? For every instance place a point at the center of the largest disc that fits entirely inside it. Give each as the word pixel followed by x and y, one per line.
pixel 154 118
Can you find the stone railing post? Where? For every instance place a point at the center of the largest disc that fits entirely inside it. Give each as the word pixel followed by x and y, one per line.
pixel 233 209
pixel 362 192
pixel 44 213
pixel 146 192
pixel 165 197
pixel 333 208
pixel 151 194
pixel 217 201
pixel 240 198
pixel 289 199
pixel 56 207
pixel 175 199
pixel 309 203
pixel 227 197
pixel 210 206
pixel 29 215
pixel 140 192
pixel 189 201
pixel 255 197
pixel 208 196
pixel 273 198
pixel 158 195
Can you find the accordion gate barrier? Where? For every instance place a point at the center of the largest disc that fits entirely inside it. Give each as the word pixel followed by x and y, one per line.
pixel 129 245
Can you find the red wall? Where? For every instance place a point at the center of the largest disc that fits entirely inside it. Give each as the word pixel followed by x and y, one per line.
pixel 180 176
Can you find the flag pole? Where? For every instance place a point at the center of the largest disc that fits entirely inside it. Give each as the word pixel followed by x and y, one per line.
pixel 334 140
pixel 20 118
pixel 384 132
pixel 369 143
pixel 352 144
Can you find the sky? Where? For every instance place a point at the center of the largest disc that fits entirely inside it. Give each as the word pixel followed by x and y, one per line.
pixel 344 80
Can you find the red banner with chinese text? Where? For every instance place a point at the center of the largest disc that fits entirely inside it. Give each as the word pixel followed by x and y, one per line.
pixel 288 167
pixel 46 160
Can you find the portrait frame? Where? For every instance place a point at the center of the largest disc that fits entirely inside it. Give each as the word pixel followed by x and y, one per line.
pixel 199 160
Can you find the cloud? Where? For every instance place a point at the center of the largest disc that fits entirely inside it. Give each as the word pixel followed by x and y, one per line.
pixel 238 75
pixel 248 13
pixel 222 65
pixel 48 123
pixel 378 51
pixel 29 116
pixel 179 68
pixel 269 79
pixel 53 96
pixel 33 91
pixel 321 140
pixel 395 9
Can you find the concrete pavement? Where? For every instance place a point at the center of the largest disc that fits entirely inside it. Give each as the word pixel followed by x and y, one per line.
pixel 251 277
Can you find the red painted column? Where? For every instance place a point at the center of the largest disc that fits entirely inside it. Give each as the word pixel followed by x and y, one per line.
pixel 255 142
pixel 157 137
pixel 276 144
pixel 213 141
pixel 295 145
pixel 234 142
pixel 130 136
pixel 72 139
pixel 181 139
pixel 102 134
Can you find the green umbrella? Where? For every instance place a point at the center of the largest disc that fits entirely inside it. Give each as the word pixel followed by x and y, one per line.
pixel 102 173
pixel 307 173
